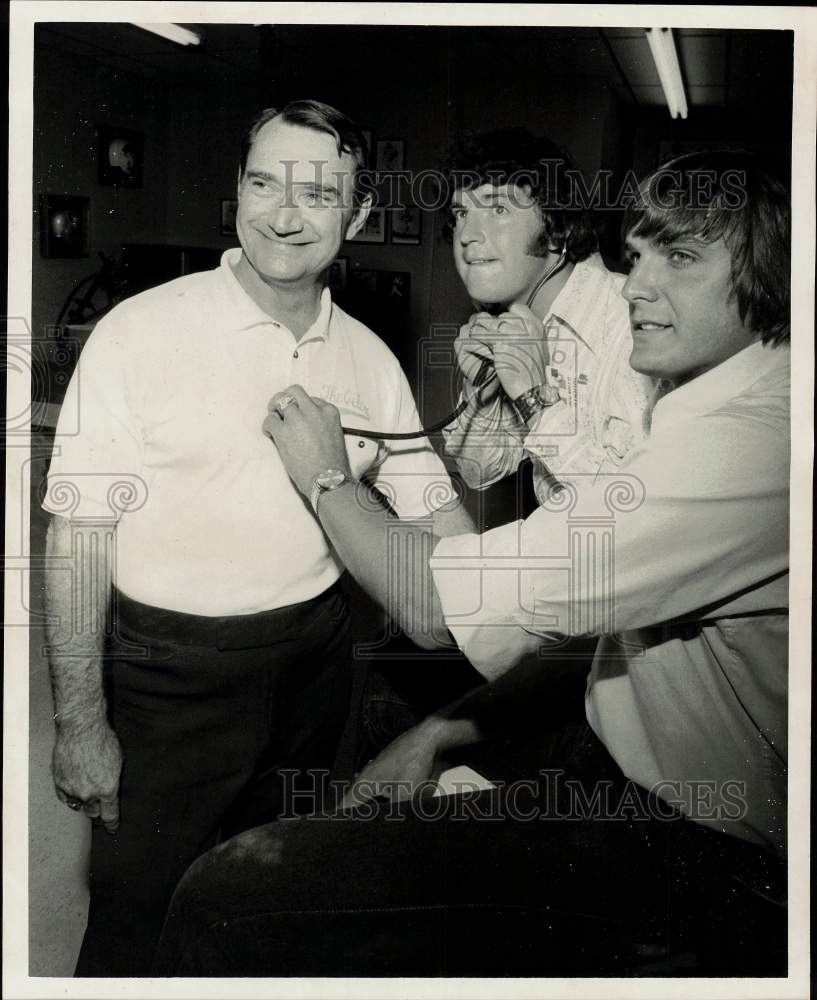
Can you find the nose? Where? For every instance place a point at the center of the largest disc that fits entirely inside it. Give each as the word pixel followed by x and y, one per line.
pixel 640 283
pixel 285 219
pixel 471 229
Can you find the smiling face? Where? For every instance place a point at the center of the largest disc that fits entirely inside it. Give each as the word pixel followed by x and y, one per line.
pixel 294 206
pixel 495 229
pixel 683 313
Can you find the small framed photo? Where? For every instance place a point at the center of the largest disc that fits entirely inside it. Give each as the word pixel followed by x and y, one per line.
pixel 64 225
pixel 393 290
pixel 406 225
pixel 229 208
pixel 374 229
pixel 391 155
pixel 337 276
pixel 120 156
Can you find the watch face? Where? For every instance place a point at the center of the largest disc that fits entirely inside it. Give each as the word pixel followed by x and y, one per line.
pixel 330 479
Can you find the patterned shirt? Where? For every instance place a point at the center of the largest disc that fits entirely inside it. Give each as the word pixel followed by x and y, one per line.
pixel 604 408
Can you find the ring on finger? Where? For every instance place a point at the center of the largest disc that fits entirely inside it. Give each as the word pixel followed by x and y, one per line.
pixel 285 401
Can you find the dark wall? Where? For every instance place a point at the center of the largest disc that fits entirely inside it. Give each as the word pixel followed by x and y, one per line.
pixel 72 94
pixel 423 85
pixel 191 135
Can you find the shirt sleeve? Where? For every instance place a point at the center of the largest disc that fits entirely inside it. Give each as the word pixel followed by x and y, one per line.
pixel 412 477
pixel 97 458
pixel 698 515
pixel 486 442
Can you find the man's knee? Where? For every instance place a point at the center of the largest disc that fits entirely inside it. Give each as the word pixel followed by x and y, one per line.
pixel 240 862
pixel 218 888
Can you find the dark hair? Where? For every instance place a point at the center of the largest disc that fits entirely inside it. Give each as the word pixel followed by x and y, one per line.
pixel 726 194
pixel 322 118
pixel 515 155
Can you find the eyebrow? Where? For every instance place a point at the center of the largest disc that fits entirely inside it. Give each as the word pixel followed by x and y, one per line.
pixel 668 241
pixel 262 175
pixel 265 175
pixel 684 238
pixel 489 197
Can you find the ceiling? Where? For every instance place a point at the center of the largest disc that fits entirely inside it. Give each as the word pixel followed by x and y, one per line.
pixel 728 69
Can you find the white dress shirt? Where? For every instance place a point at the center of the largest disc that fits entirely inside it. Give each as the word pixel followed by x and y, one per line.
pixel 680 562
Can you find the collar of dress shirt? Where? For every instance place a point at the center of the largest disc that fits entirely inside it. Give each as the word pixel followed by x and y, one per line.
pixel 728 379
pixel 570 305
pixel 242 312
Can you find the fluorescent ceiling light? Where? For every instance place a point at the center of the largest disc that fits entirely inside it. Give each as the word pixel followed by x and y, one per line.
pixel 173 32
pixel 669 72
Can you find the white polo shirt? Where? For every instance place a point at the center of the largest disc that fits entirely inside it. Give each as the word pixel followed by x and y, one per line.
pixel 171 391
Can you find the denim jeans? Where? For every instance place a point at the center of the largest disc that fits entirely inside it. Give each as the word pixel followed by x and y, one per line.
pixel 225 723
pixel 531 879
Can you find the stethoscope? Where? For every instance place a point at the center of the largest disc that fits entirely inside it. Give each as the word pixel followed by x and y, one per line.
pixel 485 375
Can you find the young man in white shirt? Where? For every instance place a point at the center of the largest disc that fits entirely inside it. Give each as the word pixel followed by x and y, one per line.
pixel 527 252
pixel 667 837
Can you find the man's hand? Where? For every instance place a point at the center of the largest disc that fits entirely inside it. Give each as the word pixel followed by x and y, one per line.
pixel 473 345
pixel 308 436
pixel 87 762
pixel 515 341
pixel 399 769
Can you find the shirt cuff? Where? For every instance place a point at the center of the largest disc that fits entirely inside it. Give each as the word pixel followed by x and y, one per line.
pixel 478 579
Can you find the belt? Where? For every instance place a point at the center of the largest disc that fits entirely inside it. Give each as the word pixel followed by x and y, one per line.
pixel 265 628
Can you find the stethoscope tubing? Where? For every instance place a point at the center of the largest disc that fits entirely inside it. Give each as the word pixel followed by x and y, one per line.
pixel 485 375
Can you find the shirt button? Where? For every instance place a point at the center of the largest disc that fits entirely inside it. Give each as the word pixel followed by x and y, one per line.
pixel 295 355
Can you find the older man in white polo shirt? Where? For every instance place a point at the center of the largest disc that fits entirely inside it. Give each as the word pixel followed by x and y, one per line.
pixel 228 678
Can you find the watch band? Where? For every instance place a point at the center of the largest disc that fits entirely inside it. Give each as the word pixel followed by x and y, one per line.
pixel 336 477
pixel 529 403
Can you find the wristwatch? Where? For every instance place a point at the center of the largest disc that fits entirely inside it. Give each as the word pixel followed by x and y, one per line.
pixel 325 482
pixel 535 400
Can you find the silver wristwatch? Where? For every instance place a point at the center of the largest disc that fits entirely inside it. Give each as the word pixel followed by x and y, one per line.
pixel 535 400
pixel 325 482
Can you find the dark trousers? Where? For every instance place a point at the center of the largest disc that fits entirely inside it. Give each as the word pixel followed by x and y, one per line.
pixel 225 723
pixel 529 880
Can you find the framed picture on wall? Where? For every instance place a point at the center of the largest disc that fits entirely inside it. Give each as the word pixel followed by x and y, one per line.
pixel 337 275
pixel 120 156
pixel 393 289
pixel 229 207
pixel 391 154
pixel 64 225
pixel 406 225
pixel 374 229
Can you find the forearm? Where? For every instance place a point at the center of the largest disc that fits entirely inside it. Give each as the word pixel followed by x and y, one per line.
pixel 389 559
pixel 453 519
pixel 77 582
pixel 524 695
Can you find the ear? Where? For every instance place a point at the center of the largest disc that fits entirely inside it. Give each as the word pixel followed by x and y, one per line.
pixel 238 184
pixel 359 216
